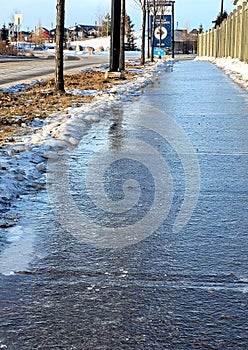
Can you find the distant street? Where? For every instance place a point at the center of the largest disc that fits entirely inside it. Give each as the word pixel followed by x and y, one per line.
pixel 23 70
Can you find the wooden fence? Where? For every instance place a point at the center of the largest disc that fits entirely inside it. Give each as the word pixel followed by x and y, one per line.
pixel 230 39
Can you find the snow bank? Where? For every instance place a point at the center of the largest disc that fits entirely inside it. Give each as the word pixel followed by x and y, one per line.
pixel 105 42
pixel 95 43
pixel 237 70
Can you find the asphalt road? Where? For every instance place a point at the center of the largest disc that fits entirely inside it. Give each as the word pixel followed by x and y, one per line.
pixel 23 70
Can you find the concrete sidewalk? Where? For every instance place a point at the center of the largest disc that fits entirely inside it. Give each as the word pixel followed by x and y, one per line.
pixel 177 152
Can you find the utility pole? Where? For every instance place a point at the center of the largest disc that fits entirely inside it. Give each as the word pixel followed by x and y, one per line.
pixel 59 59
pixel 115 44
pixel 122 36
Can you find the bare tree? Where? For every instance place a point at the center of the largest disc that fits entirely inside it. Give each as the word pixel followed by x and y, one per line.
pixel 59 59
pixel 148 30
pixel 150 6
pixel 154 13
pixel 143 4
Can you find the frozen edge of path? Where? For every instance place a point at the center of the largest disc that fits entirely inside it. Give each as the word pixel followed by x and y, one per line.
pixel 27 158
pixel 234 68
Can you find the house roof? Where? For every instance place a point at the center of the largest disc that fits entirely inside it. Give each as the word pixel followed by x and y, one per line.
pixel 182 35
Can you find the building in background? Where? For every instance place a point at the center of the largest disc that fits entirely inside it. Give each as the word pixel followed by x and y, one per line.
pixel 80 32
pixel 185 42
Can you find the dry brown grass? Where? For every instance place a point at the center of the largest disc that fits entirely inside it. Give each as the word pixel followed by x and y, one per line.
pixel 18 109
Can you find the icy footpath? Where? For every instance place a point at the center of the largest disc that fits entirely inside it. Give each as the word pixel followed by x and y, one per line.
pixel 234 68
pixel 64 127
pixel 23 164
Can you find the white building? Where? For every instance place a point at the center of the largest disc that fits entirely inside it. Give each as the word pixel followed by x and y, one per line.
pixel 238 2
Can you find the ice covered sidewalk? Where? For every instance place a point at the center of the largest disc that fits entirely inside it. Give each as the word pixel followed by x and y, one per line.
pixel 23 163
pixel 237 70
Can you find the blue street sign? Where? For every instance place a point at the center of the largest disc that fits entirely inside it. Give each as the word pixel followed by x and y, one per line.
pixel 163 27
pixel 163 31
pixel 159 51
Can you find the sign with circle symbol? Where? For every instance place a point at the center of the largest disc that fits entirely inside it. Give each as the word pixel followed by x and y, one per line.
pixel 161 33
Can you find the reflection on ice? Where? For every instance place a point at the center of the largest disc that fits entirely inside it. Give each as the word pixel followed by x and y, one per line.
pixel 18 251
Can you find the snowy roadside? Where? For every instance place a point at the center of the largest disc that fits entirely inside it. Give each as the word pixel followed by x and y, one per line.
pixel 23 163
pixel 234 68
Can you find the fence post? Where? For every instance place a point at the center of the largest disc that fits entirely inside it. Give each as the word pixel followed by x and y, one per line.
pixel 215 43
pixel 242 33
pixel 221 38
pixel 199 46
pixel 229 37
pixel 210 43
pixel 245 37
pixel 239 32
pixel 225 38
pixel 232 36
pixel 205 44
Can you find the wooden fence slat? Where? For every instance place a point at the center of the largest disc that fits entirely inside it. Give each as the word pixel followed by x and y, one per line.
pixel 229 39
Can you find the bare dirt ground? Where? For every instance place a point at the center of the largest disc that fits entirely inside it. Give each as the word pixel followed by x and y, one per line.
pixel 17 110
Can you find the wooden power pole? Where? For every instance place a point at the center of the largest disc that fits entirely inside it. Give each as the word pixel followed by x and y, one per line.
pixel 59 59
pixel 115 36
pixel 122 35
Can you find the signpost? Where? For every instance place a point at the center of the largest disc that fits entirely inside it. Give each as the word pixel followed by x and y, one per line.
pixel 163 27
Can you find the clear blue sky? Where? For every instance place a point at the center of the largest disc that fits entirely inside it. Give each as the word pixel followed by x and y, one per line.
pixel 188 13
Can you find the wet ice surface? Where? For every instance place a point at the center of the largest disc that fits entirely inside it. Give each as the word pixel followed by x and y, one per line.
pixel 169 291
